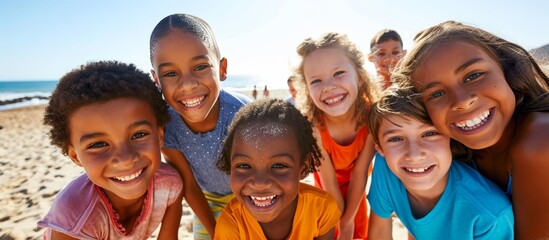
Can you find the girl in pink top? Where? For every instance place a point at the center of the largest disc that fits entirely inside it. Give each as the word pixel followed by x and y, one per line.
pixel 108 118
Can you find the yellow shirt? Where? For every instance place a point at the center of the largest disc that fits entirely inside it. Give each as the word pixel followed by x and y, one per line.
pixel 316 214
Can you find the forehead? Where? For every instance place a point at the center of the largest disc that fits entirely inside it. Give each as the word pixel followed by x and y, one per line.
pixel 262 129
pixel 446 59
pixel 387 45
pixel 182 42
pixel 325 56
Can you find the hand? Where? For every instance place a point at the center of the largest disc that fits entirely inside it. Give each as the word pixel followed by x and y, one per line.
pixel 346 229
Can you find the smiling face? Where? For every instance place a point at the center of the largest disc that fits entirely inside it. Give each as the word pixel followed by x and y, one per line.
pixel 466 94
pixel 189 72
pixel 266 170
pixel 386 55
pixel 332 81
pixel 118 145
pixel 416 153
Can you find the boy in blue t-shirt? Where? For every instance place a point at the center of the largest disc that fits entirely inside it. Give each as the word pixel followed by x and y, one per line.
pixel 415 177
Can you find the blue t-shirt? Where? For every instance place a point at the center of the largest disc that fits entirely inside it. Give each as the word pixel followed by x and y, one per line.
pixel 203 149
pixel 471 207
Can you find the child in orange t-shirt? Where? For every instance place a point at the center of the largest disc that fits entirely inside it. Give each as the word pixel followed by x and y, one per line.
pixel 269 149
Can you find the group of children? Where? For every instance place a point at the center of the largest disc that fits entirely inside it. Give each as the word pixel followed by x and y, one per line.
pixel 448 125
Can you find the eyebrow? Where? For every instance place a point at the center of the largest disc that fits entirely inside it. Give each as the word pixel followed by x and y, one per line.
pixel 133 125
pixel 194 59
pixel 458 69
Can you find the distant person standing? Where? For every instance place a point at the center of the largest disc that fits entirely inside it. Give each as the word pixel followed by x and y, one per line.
pixel 266 92
pixel 293 92
pixel 254 93
pixel 386 49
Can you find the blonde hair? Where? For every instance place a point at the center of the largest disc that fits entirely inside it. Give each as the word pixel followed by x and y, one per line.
pixel 367 93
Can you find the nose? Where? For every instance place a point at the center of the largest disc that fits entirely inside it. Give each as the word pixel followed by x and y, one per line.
pixel 414 150
pixel 187 82
pixel 260 181
pixel 124 156
pixel 329 84
pixel 462 100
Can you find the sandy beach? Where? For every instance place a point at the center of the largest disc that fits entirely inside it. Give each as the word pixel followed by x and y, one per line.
pixel 32 171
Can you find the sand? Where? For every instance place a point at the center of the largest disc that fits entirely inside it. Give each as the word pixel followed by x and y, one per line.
pixel 32 171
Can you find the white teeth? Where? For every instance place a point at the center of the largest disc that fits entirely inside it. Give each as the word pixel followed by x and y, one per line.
pixel 475 122
pixel 416 170
pixel 333 100
pixel 263 201
pixel 193 102
pixel 129 177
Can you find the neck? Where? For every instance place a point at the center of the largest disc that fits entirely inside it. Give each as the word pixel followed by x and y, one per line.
pixel 502 145
pixel 423 201
pixel 128 210
pixel 209 123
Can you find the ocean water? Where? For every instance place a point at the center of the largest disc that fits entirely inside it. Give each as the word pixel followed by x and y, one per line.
pixel 16 94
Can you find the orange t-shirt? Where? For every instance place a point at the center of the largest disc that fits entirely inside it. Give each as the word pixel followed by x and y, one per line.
pixel 343 159
pixel 316 214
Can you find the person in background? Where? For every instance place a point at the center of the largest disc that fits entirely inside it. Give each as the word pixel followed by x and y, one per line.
pixel 415 177
pixel 108 117
pixel 188 67
pixel 254 93
pixel 270 148
pixel 386 49
pixel 265 92
pixel 293 92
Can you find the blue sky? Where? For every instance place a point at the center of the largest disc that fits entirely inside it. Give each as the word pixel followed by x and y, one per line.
pixel 45 39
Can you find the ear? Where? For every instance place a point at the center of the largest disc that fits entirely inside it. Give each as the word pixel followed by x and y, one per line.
pixel 153 74
pixel 223 69
pixel 403 53
pixel 161 136
pixel 74 156
pixel 379 150
pixel 306 167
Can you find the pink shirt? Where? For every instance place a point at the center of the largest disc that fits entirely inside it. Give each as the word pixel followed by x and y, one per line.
pixel 82 210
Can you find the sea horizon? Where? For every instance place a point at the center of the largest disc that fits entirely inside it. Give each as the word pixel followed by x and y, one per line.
pixel 25 93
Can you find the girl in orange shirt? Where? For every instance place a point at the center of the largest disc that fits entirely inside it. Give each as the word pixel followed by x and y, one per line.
pixel 335 93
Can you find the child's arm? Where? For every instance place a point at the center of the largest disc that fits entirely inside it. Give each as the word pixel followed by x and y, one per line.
pixel 357 186
pixel 328 236
pixel 172 218
pixel 191 191
pixel 327 173
pixel 530 168
pixel 55 235
pixel 380 228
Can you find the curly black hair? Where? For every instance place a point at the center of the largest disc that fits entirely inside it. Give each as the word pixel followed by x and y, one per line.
pixel 98 82
pixel 275 111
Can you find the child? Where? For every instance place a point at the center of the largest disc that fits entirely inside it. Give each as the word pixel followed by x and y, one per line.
pixel 108 118
pixel 336 95
pixel 293 92
pixel 491 96
pixel 417 179
pixel 270 148
pixel 386 49
pixel 188 68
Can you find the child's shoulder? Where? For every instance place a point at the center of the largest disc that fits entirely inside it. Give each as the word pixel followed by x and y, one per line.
pixel 530 140
pixel 168 181
pixel 78 194
pixel 314 194
pixel 72 205
pixel 470 184
pixel 233 98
